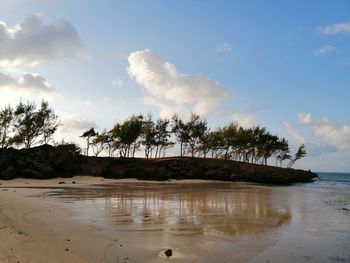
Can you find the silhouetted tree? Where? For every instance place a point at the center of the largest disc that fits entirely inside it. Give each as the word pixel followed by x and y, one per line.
pixel 49 122
pixel 6 120
pixel 161 138
pixel 196 129
pixel 148 136
pixel 99 143
pixel 180 130
pixel 31 124
pixel 283 151
pixel 301 152
pixel 126 135
pixel 88 134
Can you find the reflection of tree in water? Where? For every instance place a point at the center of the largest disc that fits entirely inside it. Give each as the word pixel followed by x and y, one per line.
pixel 219 209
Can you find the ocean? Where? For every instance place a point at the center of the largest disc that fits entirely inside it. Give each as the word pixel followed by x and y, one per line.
pixel 329 177
pixel 221 221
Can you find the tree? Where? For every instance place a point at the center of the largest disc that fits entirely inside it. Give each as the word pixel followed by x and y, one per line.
pixel 126 135
pixel 30 124
pixel 6 119
pixel 229 139
pixel 49 122
pixel 301 152
pixel 99 143
pixel 283 151
pixel 108 137
pixel 161 138
pixel 88 134
pixel 180 131
pixel 196 129
pixel 148 136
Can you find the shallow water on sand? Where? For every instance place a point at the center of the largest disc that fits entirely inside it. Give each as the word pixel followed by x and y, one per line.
pixel 218 221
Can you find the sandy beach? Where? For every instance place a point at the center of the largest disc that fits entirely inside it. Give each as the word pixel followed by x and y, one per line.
pixel 89 224
pixel 39 231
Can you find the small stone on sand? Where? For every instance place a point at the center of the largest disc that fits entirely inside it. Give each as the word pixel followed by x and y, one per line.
pixel 168 253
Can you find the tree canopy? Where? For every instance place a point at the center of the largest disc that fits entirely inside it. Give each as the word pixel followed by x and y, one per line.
pixel 231 142
pixel 28 124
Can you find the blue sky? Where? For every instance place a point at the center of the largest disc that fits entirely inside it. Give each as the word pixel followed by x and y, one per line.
pixel 281 64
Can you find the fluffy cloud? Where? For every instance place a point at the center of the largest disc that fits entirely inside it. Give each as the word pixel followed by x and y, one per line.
pixel 171 91
pixel 336 29
pixel 334 134
pixel 31 42
pixel 26 83
pixel 224 48
pixel 324 50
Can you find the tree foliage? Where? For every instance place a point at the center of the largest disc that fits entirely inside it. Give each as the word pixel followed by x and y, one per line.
pixel 231 142
pixel 6 120
pixel 88 134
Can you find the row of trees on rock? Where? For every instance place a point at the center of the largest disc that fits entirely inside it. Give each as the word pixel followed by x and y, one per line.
pixel 195 139
pixel 26 124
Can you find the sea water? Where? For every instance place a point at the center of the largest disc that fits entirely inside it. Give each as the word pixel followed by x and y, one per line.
pixel 220 221
pixel 329 177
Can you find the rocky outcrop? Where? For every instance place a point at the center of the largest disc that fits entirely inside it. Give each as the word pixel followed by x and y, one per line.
pixel 64 161
pixel 39 162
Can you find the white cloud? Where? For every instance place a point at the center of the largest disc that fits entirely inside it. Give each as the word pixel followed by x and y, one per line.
pixel 170 90
pixel 324 50
pixel 224 48
pixel 332 133
pixel 32 42
pixel 26 83
pixel 336 29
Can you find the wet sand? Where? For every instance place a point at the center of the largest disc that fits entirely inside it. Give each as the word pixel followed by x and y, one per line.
pixel 102 220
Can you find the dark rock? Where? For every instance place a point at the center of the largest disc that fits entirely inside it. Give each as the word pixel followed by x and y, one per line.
pixel 61 182
pixel 168 252
pixel 345 209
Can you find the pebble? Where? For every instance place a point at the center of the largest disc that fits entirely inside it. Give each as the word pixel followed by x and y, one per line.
pixel 168 252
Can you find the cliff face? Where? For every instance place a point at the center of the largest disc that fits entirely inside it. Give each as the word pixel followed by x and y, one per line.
pixel 63 161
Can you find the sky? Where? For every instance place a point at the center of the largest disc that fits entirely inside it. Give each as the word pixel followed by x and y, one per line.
pixel 284 65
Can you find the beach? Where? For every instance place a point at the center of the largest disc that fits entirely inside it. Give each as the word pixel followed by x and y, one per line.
pixel 91 219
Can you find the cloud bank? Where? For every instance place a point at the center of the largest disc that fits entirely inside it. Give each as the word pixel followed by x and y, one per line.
pixel 32 42
pixel 172 91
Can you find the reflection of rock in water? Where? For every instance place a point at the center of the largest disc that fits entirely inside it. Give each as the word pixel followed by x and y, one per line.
pixel 185 209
